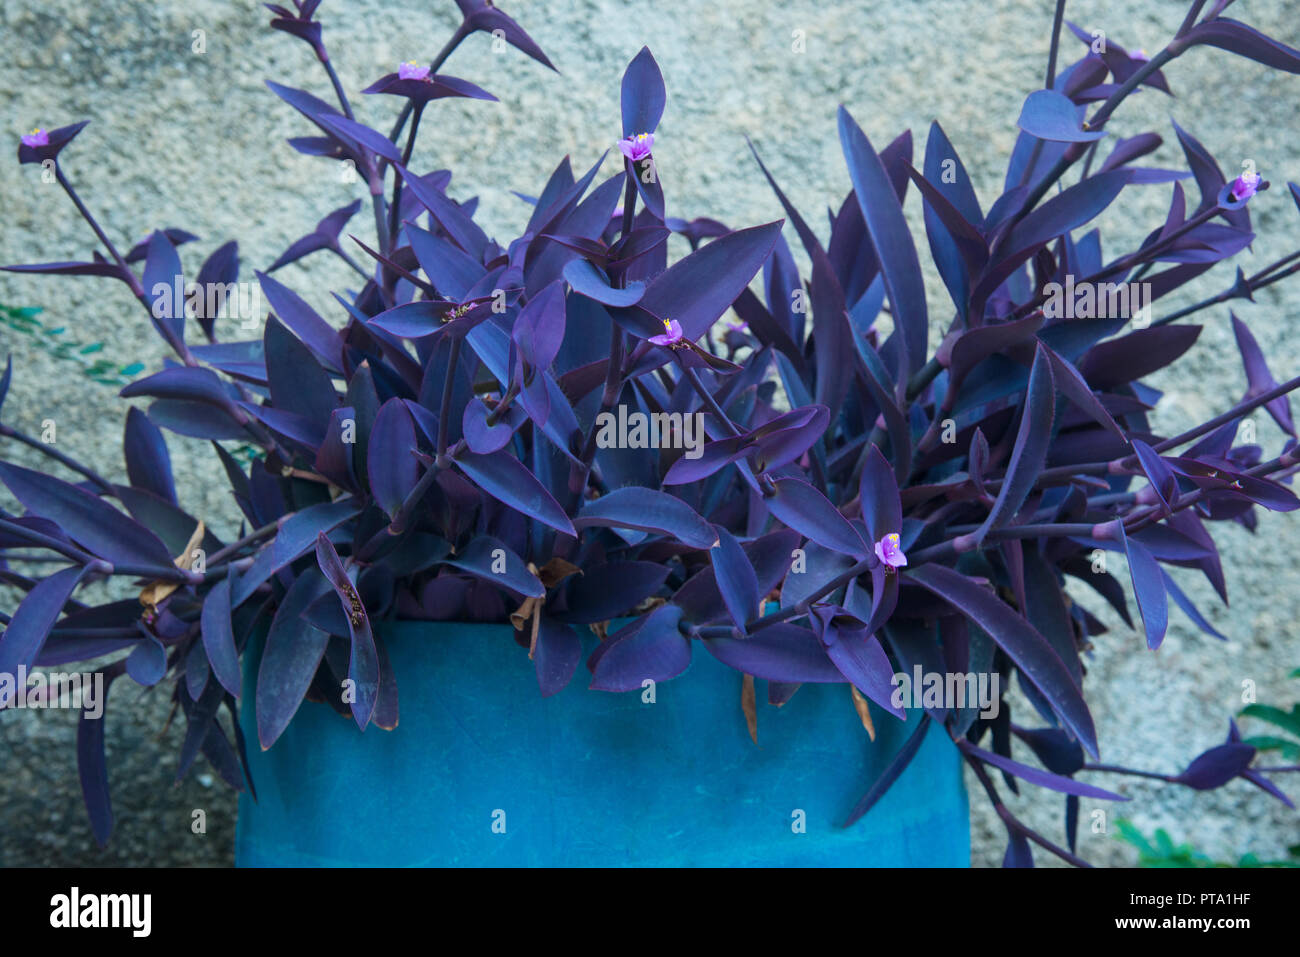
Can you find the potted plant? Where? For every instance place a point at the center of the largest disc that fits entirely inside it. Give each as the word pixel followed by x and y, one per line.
pixel 532 482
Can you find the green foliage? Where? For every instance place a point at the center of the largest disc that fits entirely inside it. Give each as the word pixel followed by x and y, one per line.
pixel 1161 851
pixel 1288 745
pixel 56 342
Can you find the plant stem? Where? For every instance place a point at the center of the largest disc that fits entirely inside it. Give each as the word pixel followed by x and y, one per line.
pixel 629 197
pixel 396 205
pixel 448 385
pixel 352 262
pixel 1012 823
pixel 47 541
pixel 249 539
pixel 460 34
pixel 613 387
pixel 338 87
pixel 85 214
pixel 1056 43
pixel 1189 21
pixel 11 433
pixel 1095 123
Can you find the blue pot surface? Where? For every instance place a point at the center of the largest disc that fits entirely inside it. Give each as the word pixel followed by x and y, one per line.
pixel 484 771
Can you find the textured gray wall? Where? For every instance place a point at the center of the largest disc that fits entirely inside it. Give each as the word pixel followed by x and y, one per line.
pixel 197 141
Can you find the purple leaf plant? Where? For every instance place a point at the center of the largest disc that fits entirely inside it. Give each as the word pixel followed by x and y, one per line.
pixel 829 498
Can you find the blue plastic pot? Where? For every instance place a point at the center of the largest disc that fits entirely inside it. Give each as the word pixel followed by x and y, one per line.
pixel 482 770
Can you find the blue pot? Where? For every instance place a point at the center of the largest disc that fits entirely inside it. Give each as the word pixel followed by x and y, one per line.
pixel 482 770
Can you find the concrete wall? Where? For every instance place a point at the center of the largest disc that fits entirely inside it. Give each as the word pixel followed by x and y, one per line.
pixel 195 140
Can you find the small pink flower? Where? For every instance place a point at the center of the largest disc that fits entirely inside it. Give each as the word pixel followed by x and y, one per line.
pixel 1140 54
pixel 37 137
pixel 1246 185
pixel 673 336
pixel 889 552
pixel 739 325
pixel 637 147
pixel 412 71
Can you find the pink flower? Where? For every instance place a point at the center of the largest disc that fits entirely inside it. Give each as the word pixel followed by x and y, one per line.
pixel 1246 185
pixel 637 147
pixel 1140 54
pixel 37 137
pixel 673 337
pixel 412 71
pixel 889 552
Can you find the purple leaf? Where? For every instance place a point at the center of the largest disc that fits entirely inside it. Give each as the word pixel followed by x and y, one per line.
pixel 1259 378
pixel 807 511
pixel 452 272
pixel 1148 587
pixel 1032 441
pixel 489 559
pixel 509 481
pixel 374 141
pixel 892 241
pixel 539 328
pixel 649 649
pixel 714 457
pixel 393 470
pixel 110 270
pixel 608 590
pixel 647 510
pixel 1237 37
pixel 1045 779
pixel 878 493
pixel 484 438
pixel 698 289
pixel 1217 766
pixel 216 278
pixel 1049 115
pixel 591 282
pixel 736 578
pixel 558 651
pixel 1029 650
pixel 857 654
pixel 897 765
pixel 86 519
pixel 185 383
pixel 1019 853
pixel 1074 387
pixel 147 662
pixel 289 661
pixel 219 636
pixel 30 626
pixel 1158 473
pixel 786 653
pixel 294 312
pixel 363 664
pixel 297 535
pixel 1190 610
pixel 451 217
pixel 148 465
pixel 483 15
pixel 643 95
pixel 789 436
pixel 92 769
pixel 1117 362
pixel 164 288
